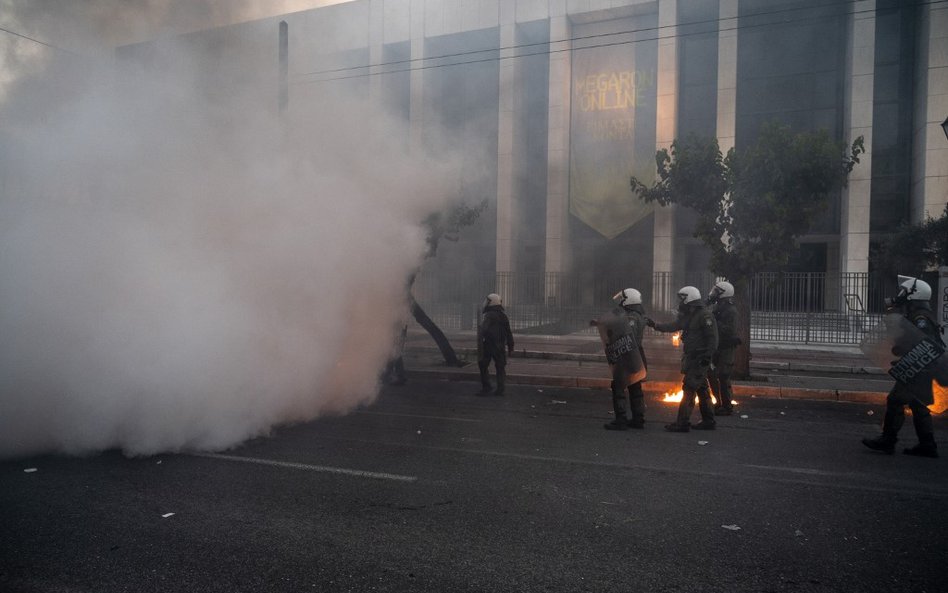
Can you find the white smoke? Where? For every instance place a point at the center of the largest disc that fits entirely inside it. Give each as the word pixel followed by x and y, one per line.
pixel 180 268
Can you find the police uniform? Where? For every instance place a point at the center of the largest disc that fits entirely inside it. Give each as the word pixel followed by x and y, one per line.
pixel 635 315
pixel 725 314
pixel 699 337
pixel 921 316
pixel 494 341
pixel 636 395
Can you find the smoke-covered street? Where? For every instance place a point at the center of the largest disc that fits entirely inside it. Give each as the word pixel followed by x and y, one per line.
pixel 433 489
pixel 256 257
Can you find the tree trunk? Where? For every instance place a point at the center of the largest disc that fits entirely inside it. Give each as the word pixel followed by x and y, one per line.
pixel 450 358
pixel 742 355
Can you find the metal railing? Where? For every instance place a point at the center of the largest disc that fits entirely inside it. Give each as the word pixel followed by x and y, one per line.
pixel 796 307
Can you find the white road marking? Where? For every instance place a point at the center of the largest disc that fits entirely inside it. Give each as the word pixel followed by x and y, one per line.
pixel 800 470
pixel 305 466
pixel 896 487
pixel 451 418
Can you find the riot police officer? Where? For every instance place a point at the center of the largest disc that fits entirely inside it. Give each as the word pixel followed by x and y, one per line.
pixel 725 314
pixel 912 303
pixel 494 341
pixel 630 300
pixel 699 336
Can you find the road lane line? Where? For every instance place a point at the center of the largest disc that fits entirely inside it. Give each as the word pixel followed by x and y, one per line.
pixel 805 470
pixel 305 466
pixel 451 418
pixel 896 487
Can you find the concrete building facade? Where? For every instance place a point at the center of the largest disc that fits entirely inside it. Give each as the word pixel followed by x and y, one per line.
pixel 560 101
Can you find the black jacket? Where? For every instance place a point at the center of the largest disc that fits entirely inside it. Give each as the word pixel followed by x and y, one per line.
pixel 495 329
pixel 699 332
pixel 725 313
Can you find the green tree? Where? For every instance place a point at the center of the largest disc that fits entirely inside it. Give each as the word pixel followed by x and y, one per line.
pixel 754 204
pixel 442 226
pixel 914 248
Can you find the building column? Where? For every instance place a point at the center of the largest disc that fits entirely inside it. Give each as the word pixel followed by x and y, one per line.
pixel 726 124
pixel 858 89
pixel 505 152
pixel 930 149
pixel 417 108
pixel 557 192
pixel 726 131
pixel 663 257
pixel 375 36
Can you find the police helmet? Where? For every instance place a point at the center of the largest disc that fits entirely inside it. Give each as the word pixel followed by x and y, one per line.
pixel 688 294
pixel 628 297
pixel 493 299
pixel 913 289
pixel 723 290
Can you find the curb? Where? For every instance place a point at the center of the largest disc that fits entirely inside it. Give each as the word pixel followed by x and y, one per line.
pixel 601 358
pixel 661 387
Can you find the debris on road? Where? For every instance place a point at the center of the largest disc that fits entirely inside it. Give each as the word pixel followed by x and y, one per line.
pixel 732 527
pixel 557 401
pixel 702 442
pixel 745 416
pixel 166 515
pixel 29 470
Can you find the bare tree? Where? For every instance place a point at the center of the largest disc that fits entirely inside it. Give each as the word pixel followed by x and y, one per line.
pixel 447 227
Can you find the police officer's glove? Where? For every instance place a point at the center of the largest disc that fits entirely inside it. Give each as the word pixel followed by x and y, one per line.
pixel 649 322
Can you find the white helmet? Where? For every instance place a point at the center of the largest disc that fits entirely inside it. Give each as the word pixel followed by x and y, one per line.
pixel 688 294
pixel 722 290
pixel 627 297
pixel 913 289
pixel 493 299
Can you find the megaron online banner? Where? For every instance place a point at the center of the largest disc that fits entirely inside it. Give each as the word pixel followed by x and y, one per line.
pixel 612 130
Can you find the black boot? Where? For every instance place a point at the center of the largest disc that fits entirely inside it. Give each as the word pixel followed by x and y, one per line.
pixel 923 450
pixel 501 381
pixel 724 395
pixel 621 421
pixel 682 422
pixel 637 406
pixel 883 443
pixel 926 447
pixel 707 410
pixel 485 378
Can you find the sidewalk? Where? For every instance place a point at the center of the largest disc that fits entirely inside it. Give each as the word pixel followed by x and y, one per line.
pixel 577 360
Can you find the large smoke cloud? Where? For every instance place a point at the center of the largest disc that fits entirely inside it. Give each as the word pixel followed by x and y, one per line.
pixel 181 267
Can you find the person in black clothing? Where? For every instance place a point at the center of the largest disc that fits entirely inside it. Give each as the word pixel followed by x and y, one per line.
pixel 494 341
pixel 725 314
pixel 912 303
pixel 699 336
pixel 630 300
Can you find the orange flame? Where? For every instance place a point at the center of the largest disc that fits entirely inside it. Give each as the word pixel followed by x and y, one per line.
pixel 940 393
pixel 676 339
pixel 676 397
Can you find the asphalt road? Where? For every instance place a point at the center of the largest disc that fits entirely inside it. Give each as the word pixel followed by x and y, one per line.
pixel 433 489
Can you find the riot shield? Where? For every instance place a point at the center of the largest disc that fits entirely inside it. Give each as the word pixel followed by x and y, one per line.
pixel 912 358
pixel 621 348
